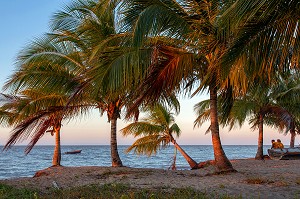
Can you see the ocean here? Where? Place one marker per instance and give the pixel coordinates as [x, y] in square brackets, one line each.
[14, 163]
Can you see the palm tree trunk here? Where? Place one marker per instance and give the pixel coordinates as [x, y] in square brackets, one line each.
[221, 161]
[293, 135]
[193, 164]
[259, 154]
[57, 151]
[115, 158]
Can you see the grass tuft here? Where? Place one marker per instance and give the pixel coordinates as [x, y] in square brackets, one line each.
[8, 192]
[256, 180]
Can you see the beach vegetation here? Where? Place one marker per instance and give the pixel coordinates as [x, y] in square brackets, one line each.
[110, 191]
[256, 180]
[9, 192]
[222, 186]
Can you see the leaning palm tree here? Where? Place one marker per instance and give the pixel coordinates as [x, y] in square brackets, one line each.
[154, 132]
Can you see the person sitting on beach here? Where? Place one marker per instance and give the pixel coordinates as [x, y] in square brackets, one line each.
[279, 144]
[274, 144]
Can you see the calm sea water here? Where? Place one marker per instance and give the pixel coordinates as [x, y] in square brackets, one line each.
[13, 163]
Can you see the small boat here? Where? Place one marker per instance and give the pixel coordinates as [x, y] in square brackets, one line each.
[73, 152]
[285, 153]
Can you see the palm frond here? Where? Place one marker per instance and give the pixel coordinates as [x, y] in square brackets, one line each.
[148, 145]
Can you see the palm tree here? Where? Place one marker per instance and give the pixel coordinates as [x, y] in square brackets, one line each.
[266, 40]
[42, 84]
[69, 51]
[258, 105]
[156, 131]
[287, 90]
[157, 19]
[90, 26]
[34, 114]
[113, 110]
[195, 53]
[261, 106]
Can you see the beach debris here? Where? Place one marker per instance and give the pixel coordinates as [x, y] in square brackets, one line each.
[55, 185]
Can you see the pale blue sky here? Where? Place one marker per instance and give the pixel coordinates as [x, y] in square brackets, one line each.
[22, 20]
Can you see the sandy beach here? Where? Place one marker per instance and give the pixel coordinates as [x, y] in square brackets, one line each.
[254, 179]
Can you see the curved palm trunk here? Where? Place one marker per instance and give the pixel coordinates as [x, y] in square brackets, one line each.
[259, 154]
[115, 158]
[57, 151]
[221, 161]
[293, 135]
[193, 164]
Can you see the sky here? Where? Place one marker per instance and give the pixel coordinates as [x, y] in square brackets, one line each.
[23, 20]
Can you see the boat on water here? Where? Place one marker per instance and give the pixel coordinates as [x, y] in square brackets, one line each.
[73, 152]
[285, 153]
